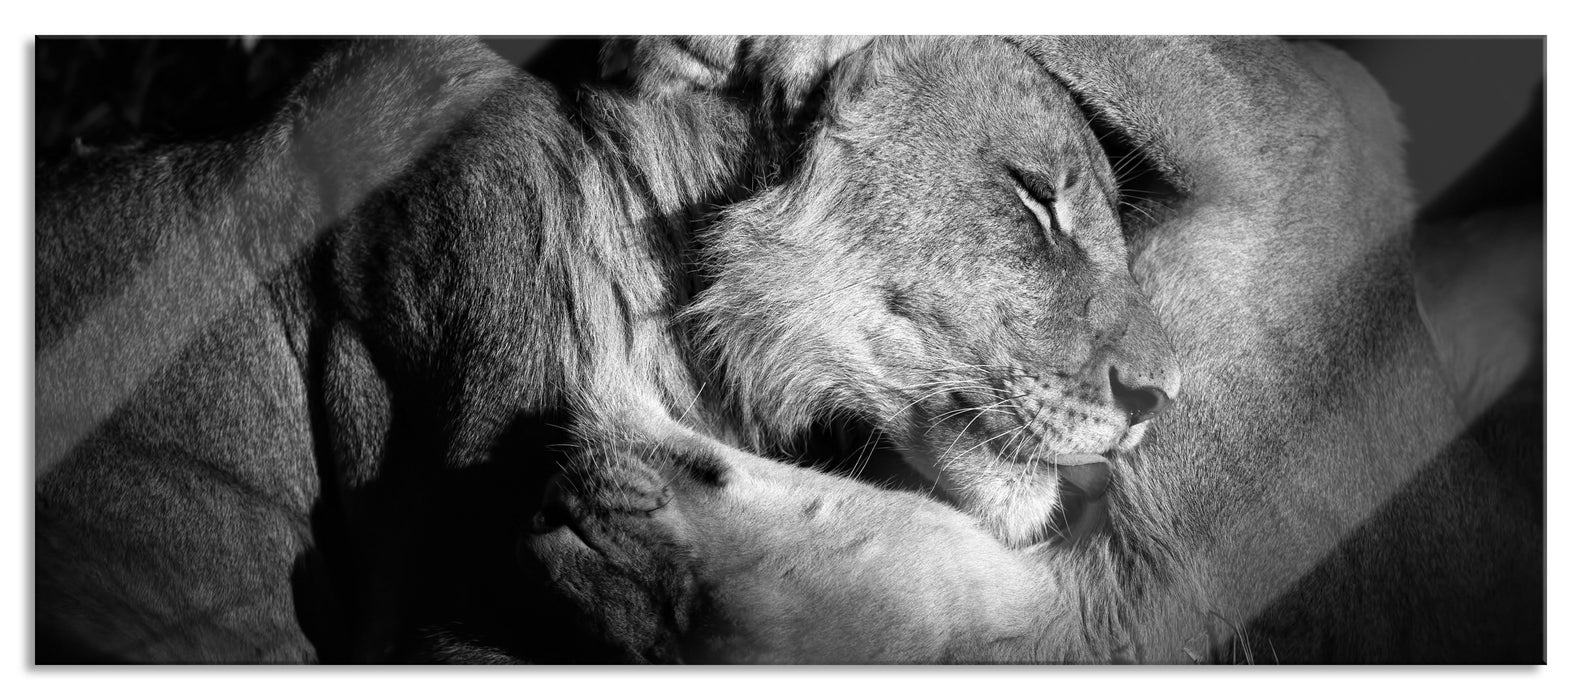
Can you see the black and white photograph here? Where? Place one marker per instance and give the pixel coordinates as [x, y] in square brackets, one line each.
[788, 349]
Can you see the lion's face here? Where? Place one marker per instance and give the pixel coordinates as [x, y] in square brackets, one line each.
[950, 266]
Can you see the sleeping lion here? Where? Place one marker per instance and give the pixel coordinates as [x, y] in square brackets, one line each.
[1309, 499]
[498, 264]
[947, 262]
[436, 349]
[983, 314]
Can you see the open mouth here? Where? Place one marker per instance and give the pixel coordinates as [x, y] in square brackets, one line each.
[1084, 498]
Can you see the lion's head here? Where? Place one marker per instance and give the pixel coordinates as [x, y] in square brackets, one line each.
[946, 263]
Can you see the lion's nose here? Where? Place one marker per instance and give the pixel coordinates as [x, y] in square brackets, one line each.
[1139, 402]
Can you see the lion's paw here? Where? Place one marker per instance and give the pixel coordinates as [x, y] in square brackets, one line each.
[609, 538]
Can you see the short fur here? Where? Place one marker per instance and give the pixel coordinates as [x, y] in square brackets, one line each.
[899, 278]
[1317, 438]
[1310, 500]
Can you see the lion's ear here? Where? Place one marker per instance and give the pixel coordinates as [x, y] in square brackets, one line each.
[847, 81]
[780, 72]
[782, 77]
[671, 64]
[788, 73]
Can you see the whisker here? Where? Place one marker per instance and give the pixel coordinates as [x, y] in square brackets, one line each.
[919, 400]
[998, 407]
[1021, 438]
[953, 442]
[870, 447]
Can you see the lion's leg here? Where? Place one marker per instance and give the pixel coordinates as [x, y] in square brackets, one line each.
[689, 548]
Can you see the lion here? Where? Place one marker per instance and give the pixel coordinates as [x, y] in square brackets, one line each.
[296, 384]
[1030, 313]
[418, 377]
[975, 257]
[379, 501]
[1311, 498]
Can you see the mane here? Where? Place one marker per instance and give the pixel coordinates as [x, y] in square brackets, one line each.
[653, 172]
[583, 274]
[776, 380]
[773, 380]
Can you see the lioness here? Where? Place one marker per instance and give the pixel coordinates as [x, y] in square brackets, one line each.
[947, 263]
[1310, 499]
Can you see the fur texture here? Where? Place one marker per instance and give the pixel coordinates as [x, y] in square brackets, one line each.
[179, 472]
[947, 265]
[366, 322]
[902, 267]
[1316, 438]
[512, 270]
[1311, 499]
[347, 463]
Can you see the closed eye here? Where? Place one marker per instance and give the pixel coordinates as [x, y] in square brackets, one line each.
[1044, 208]
[1040, 210]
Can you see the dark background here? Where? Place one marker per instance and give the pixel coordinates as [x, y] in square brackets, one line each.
[1457, 96]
